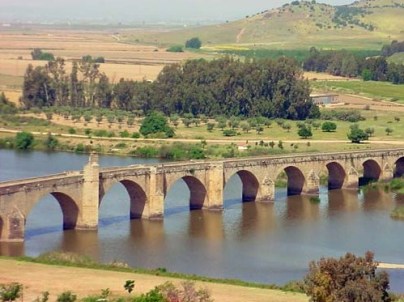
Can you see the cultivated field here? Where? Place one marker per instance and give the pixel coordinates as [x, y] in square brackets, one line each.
[129, 61]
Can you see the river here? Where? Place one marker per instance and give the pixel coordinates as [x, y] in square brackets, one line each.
[267, 243]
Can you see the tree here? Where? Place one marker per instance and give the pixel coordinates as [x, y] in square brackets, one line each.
[329, 126]
[370, 131]
[388, 131]
[193, 43]
[357, 135]
[210, 126]
[305, 132]
[245, 127]
[155, 123]
[349, 278]
[24, 140]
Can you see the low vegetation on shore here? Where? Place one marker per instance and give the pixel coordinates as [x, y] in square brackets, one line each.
[326, 280]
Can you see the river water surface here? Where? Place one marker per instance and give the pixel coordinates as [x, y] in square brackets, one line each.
[267, 243]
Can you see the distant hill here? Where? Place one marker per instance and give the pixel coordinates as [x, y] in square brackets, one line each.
[300, 24]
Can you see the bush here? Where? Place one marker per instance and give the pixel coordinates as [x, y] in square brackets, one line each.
[146, 152]
[193, 43]
[24, 140]
[175, 48]
[51, 142]
[38, 54]
[229, 132]
[349, 278]
[135, 135]
[10, 292]
[67, 296]
[329, 126]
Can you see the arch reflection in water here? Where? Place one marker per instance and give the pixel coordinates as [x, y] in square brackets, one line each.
[342, 201]
[301, 208]
[376, 199]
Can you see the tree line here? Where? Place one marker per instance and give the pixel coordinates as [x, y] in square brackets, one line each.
[226, 86]
[347, 64]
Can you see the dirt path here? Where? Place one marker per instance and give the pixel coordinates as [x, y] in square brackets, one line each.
[37, 278]
[240, 35]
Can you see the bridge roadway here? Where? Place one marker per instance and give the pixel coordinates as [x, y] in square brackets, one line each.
[80, 193]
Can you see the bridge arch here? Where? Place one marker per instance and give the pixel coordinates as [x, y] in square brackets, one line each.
[68, 206]
[295, 180]
[197, 190]
[372, 171]
[250, 185]
[336, 175]
[137, 197]
[399, 167]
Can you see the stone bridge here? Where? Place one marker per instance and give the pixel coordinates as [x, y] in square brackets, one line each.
[80, 193]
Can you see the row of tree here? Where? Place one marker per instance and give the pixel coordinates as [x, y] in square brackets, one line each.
[270, 88]
[345, 63]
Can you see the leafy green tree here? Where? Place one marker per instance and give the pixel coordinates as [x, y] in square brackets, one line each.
[349, 278]
[357, 135]
[24, 140]
[155, 123]
[389, 131]
[305, 132]
[193, 43]
[329, 126]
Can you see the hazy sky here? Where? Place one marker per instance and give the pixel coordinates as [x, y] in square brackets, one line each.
[137, 10]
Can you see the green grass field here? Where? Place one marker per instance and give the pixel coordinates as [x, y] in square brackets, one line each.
[375, 90]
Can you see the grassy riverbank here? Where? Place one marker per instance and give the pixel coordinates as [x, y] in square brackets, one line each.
[89, 279]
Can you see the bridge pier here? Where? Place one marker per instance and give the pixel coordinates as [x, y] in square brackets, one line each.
[154, 208]
[312, 186]
[214, 190]
[12, 227]
[88, 212]
[266, 192]
[387, 173]
[351, 181]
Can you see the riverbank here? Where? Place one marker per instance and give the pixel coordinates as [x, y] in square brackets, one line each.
[38, 278]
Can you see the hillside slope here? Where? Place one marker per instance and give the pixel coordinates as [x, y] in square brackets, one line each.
[363, 24]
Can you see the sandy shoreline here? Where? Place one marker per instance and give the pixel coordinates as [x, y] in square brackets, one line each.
[391, 265]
